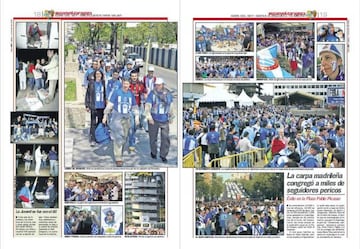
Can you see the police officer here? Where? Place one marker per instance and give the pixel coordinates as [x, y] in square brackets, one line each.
[159, 113]
[122, 106]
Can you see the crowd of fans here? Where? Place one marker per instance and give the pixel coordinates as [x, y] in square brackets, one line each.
[290, 141]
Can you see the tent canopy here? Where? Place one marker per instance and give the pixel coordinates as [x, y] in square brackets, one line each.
[244, 99]
[218, 95]
[255, 98]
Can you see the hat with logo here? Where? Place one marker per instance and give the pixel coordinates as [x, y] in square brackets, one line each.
[332, 49]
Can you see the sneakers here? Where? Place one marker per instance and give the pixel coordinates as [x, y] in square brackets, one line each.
[92, 143]
[153, 156]
[164, 159]
[119, 163]
[132, 148]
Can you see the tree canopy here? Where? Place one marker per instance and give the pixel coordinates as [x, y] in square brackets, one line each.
[92, 34]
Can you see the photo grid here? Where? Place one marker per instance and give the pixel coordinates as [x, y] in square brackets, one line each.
[120, 126]
[101, 159]
[34, 128]
[266, 96]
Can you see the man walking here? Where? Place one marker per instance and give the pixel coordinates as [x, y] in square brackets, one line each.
[122, 106]
[159, 113]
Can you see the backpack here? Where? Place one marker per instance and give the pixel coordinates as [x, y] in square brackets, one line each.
[102, 134]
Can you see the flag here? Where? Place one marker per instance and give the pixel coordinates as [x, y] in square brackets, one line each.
[34, 186]
[268, 64]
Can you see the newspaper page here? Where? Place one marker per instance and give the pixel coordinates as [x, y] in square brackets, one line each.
[93, 124]
[267, 163]
[295, 120]
[115, 103]
[231, 65]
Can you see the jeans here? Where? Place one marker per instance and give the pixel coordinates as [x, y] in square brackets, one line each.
[54, 168]
[132, 131]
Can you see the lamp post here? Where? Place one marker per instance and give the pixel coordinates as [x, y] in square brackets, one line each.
[121, 42]
[151, 25]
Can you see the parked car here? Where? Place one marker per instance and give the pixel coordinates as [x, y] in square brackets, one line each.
[136, 58]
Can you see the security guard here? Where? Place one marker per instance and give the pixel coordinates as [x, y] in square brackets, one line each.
[159, 113]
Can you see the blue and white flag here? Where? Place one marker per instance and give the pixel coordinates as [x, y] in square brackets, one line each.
[269, 65]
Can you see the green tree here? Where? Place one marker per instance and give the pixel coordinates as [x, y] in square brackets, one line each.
[217, 187]
[202, 187]
[264, 185]
[92, 33]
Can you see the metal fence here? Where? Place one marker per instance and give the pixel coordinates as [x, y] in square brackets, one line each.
[193, 159]
[163, 57]
[249, 159]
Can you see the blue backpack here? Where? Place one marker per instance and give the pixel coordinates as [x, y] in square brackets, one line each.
[102, 134]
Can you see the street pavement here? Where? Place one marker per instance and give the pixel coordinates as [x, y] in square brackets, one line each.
[80, 155]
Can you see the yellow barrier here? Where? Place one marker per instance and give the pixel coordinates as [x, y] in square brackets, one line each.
[249, 159]
[193, 159]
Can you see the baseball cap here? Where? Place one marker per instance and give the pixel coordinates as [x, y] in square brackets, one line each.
[129, 62]
[315, 147]
[332, 49]
[151, 68]
[159, 81]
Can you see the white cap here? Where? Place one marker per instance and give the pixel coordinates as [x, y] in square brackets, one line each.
[151, 68]
[159, 81]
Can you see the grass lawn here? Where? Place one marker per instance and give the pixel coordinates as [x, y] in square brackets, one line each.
[70, 90]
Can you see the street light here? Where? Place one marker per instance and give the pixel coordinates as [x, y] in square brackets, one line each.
[151, 25]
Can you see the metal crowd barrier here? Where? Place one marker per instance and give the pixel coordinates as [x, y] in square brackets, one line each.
[249, 159]
[193, 159]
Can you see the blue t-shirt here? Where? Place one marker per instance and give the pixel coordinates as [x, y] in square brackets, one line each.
[125, 73]
[123, 101]
[213, 137]
[53, 155]
[160, 105]
[309, 161]
[112, 85]
[99, 95]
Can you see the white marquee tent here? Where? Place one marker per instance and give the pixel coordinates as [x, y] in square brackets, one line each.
[255, 98]
[218, 94]
[244, 99]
